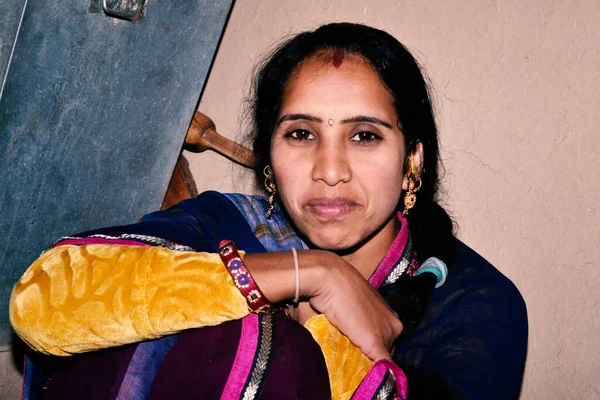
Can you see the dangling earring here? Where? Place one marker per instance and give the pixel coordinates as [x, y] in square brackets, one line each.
[410, 198]
[271, 188]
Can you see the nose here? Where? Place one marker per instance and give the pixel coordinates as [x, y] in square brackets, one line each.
[331, 165]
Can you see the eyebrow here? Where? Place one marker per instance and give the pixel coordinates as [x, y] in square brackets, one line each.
[297, 117]
[312, 118]
[364, 118]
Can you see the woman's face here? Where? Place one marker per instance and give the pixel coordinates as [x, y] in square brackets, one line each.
[337, 154]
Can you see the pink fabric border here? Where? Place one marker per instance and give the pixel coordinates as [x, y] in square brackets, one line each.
[242, 365]
[393, 254]
[83, 241]
[374, 378]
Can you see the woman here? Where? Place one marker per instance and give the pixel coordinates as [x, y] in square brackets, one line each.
[345, 141]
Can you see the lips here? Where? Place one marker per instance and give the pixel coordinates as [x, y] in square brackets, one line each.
[331, 207]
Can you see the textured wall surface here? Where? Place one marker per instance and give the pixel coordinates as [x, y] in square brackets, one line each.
[518, 92]
[10, 377]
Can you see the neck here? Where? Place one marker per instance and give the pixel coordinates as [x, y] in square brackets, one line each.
[366, 255]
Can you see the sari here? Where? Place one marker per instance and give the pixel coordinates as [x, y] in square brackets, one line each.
[470, 344]
[240, 355]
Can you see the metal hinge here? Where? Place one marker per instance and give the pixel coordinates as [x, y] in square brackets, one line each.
[130, 10]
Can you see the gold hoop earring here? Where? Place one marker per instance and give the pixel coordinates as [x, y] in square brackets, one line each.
[271, 188]
[410, 198]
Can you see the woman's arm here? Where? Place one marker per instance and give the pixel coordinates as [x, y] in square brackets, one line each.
[81, 298]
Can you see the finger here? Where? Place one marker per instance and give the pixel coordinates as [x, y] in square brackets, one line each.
[379, 353]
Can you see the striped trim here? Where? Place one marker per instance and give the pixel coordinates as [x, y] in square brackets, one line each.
[402, 264]
[127, 239]
[262, 360]
[85, 241]
[387, 389]
[253, 358]
[384, 381]
[391, 264]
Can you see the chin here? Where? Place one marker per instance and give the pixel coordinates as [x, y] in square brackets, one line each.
[334, 235]
[333, 242]
[332, 247]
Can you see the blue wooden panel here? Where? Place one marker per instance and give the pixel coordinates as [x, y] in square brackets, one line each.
[92, 118]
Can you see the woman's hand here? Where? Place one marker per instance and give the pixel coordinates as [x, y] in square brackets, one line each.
[354, 306]
[334, 288]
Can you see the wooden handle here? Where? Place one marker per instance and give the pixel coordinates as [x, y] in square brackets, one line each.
[202, 136]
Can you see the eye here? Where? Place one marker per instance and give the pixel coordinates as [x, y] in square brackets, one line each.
[300, 135]
[365, 137]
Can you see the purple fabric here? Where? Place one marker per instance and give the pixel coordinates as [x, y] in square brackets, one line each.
[199, 364]
[143, 367]
[298, 369]
[244, 358]
[92, 376]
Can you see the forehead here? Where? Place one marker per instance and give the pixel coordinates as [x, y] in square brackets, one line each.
[350, 87]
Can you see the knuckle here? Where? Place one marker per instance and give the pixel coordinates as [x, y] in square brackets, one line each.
[398, 328]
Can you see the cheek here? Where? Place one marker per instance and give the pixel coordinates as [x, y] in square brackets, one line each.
[288, 179]
[382, 170]
[389, 190]
[382, 183]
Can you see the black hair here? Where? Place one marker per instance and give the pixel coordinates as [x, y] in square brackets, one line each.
[430, 225]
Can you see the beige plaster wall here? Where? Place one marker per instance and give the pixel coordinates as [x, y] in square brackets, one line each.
[518, 95]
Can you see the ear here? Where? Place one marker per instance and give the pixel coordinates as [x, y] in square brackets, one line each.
[418, 156]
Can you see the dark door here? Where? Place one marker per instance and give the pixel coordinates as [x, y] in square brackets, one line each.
[93, 113]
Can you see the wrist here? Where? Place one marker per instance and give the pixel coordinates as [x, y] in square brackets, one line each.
[243, 280]
[316, 267]
[275, 274]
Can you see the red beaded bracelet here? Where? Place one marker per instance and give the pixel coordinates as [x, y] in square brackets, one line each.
[257, 301]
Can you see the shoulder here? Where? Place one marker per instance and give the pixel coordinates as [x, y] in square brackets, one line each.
[473, 275]
[211, 205]
[251, 205]
[474, 332]
[275, 233]
[476, 293]
[248, 205]
[222, 210]
[202, 222]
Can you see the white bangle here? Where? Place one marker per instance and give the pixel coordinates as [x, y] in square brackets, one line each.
[297, 270]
